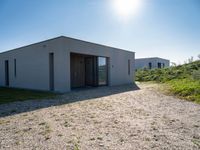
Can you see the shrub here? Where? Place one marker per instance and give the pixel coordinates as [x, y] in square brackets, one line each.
[196, 74]
[184, 80]
[185, 88]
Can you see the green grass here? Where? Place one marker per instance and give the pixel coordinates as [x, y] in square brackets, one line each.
[8, 95]
[182, 81]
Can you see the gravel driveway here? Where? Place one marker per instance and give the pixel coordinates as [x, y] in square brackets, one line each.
[105, 118]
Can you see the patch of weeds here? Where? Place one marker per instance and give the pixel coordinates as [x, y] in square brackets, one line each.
[173, 120]
[76, 147]
[153, 123]
[196, 142]
[53, 115]
[92, 139]
[132, 135]
[147, 139]
[154, 128]
[99, 138]
[18, 131]
[116, 122]
[47, 130]
[17, 143]
[25, 115]
[57, 119]
[47, 138]
[121, 140]
[4, 122]
[196, 126]
[196, 136]
[66, 124]
[42, 123]
[30, 119]
[70, 141]
[155, 137]
[60, 135]
[27, 129]
[97, 122]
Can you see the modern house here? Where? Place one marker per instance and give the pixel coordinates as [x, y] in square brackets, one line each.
[151, 63]
[63, 63]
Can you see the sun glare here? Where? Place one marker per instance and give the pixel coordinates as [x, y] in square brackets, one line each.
[126, 8]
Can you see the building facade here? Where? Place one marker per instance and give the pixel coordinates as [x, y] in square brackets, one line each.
[63, 63]
[151, 63]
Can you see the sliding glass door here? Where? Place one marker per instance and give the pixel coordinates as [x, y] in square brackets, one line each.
[102, 71]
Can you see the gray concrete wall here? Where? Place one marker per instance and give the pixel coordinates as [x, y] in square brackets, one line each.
[144, 62]
[33, 63]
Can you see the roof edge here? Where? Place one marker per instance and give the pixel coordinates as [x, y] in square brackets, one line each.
[152, 58]
[32, 44]
[63, 37]
[98, 44]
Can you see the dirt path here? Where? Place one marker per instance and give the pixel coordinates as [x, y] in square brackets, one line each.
[118, 118]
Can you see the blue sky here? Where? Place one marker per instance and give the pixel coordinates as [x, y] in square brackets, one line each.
[163, 28]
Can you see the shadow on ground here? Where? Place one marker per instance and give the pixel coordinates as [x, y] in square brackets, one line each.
[74, 96]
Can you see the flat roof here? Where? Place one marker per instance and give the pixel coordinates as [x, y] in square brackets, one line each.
[67, 38]
[151, 58]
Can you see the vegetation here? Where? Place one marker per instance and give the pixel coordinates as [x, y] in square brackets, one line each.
[10, 95]
[182, 80]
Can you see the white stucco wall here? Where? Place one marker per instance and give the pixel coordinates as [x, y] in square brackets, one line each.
[33, 63]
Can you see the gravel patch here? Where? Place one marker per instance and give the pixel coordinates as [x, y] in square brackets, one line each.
[105, 118]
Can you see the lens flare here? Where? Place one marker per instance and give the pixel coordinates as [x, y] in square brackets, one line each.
[126, 8]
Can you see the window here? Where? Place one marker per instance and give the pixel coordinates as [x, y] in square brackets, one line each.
[102, 71]
[159, 65]
[150, 65]
[129, 67]
[15, 68]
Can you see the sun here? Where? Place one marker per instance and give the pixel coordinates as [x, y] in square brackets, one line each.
[126, 8]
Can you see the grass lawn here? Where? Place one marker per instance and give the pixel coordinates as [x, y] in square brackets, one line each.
[8, 95]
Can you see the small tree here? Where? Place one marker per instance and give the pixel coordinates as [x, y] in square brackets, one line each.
[191, 59]
[196, 75]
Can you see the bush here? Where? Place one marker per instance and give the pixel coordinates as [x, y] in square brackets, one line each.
[186, 88]
[196, 75]
[184, 80]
